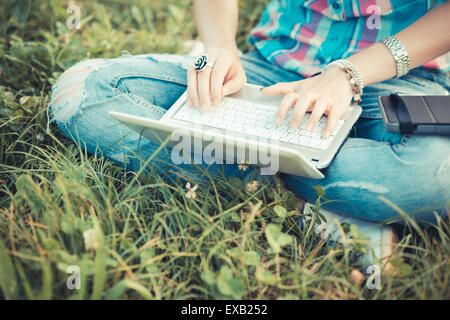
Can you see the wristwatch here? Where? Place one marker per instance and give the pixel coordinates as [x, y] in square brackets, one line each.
[399, 53]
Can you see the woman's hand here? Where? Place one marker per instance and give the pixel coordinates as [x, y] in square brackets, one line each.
[211, 84]
[329, 93]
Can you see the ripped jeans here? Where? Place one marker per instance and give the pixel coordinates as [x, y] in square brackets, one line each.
[411, 171]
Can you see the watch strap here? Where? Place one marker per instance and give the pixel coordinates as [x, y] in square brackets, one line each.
[399, 54]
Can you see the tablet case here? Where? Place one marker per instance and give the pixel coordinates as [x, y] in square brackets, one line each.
[416, 114]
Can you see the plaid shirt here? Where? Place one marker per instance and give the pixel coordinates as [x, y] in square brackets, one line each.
[305, 35]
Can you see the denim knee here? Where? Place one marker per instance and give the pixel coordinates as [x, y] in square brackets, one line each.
[69, 92]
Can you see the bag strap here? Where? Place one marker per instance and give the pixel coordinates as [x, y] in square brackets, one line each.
[404, 118]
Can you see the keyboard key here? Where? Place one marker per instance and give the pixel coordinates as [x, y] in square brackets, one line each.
[305, 133]
[316, 135]
[303, 141]
[284, 138]
[314, 142]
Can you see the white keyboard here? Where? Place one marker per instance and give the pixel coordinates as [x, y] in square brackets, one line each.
[250, 118]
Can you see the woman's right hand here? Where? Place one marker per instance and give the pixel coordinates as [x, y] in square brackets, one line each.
[211, 84]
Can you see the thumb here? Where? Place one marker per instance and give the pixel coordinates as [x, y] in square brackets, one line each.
[233, 86]
[281, 88]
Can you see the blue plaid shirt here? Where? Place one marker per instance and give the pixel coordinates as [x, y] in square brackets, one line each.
[305, 35]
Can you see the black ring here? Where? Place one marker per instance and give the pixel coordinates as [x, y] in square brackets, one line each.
[201, 62]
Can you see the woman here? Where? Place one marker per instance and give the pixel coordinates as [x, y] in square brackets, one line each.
[293, 41]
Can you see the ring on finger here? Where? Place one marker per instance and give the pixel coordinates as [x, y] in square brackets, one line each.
[201, 62]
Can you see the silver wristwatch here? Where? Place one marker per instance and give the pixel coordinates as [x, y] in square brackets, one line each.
[399, 53]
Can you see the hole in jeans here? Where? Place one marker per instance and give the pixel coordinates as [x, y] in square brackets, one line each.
[68, 92]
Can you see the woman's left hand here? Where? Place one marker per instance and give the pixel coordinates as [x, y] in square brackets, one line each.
[329, 93]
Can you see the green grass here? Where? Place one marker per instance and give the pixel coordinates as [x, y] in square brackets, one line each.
[148, 240]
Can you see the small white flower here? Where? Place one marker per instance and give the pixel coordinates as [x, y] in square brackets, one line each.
[190, 194]
[90, 239]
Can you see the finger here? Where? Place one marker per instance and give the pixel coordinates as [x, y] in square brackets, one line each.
[319, 108]
[279, 89]
[303, 104]
[204, 88]
[234, 85]
[218, 74]
[286, 104]
[333, 118]
[192, 93]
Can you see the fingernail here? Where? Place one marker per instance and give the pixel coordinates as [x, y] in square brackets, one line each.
[295, 124]
[309, 126]
[205, 107]
[326, 134]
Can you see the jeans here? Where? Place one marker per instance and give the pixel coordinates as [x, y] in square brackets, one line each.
[410, 171]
